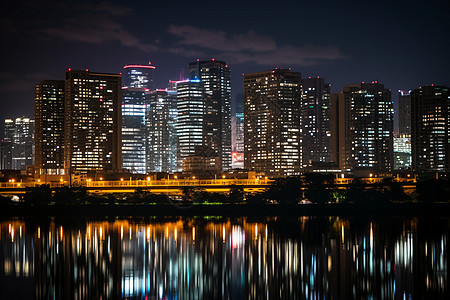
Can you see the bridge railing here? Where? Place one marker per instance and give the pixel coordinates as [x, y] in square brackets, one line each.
[177, 182]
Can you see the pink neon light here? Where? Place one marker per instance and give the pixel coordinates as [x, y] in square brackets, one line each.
[87, 70]
[180, 81]
[213, 59]
[139, 66]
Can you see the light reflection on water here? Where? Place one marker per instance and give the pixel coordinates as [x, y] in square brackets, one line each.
[239, 258]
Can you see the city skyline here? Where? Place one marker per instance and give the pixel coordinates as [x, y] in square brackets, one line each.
[43, 38]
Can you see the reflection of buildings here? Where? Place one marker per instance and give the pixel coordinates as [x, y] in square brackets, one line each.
[317, 258]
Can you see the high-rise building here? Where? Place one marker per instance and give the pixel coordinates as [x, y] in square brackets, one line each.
[161, 118]
[362, 128]
[49, 127]
[272, 102]
[93, 122]
[18, 144]
[189, 125]
[136, 79]
[216, 80]
[239, 131]
[404, 114]
[133, 130]
[138, 76]
[237, 155]
[315, 121]
[402, 153]
[430, 129]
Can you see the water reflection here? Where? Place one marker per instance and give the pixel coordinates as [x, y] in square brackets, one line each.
[204, 258]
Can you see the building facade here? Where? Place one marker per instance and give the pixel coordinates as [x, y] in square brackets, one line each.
[137, 80]
[190, 113]
[139, 76]
[315, 121]
[272, 103]
[216, 78]
[18, 144]
[430, 129]
[133, 130]
[404, 114]
[49, 127]
[161, 118]
[362, 128]
[93, 122]
[237, 155]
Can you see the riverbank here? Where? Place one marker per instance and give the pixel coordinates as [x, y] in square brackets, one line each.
[389, 209]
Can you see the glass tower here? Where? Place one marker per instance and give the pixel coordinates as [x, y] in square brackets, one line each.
[189, 125]
[161, 117]
[136, 79]
[216, 79]
[133, 129]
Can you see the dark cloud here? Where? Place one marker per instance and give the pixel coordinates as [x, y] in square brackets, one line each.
[219, 40]
[96, 24]
[13, 83]
[250, 47]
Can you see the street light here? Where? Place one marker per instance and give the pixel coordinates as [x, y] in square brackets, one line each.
[223, 176]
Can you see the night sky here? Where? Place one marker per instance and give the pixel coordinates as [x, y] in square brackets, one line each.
[403, 44]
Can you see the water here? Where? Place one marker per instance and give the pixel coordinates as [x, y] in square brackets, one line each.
[223, 258]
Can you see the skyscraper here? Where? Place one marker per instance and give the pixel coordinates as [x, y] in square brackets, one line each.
[49, 127]
[404, 114]
[238, 130]
[93, 121]
[133, 129]
[136, 79]
[315, 121]
[18, 144]
[189, 125]
[138, 76]
[161, 117]
[239, 137]
[362, 127]
[430, 129]
[272, 102]
[216, 79]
